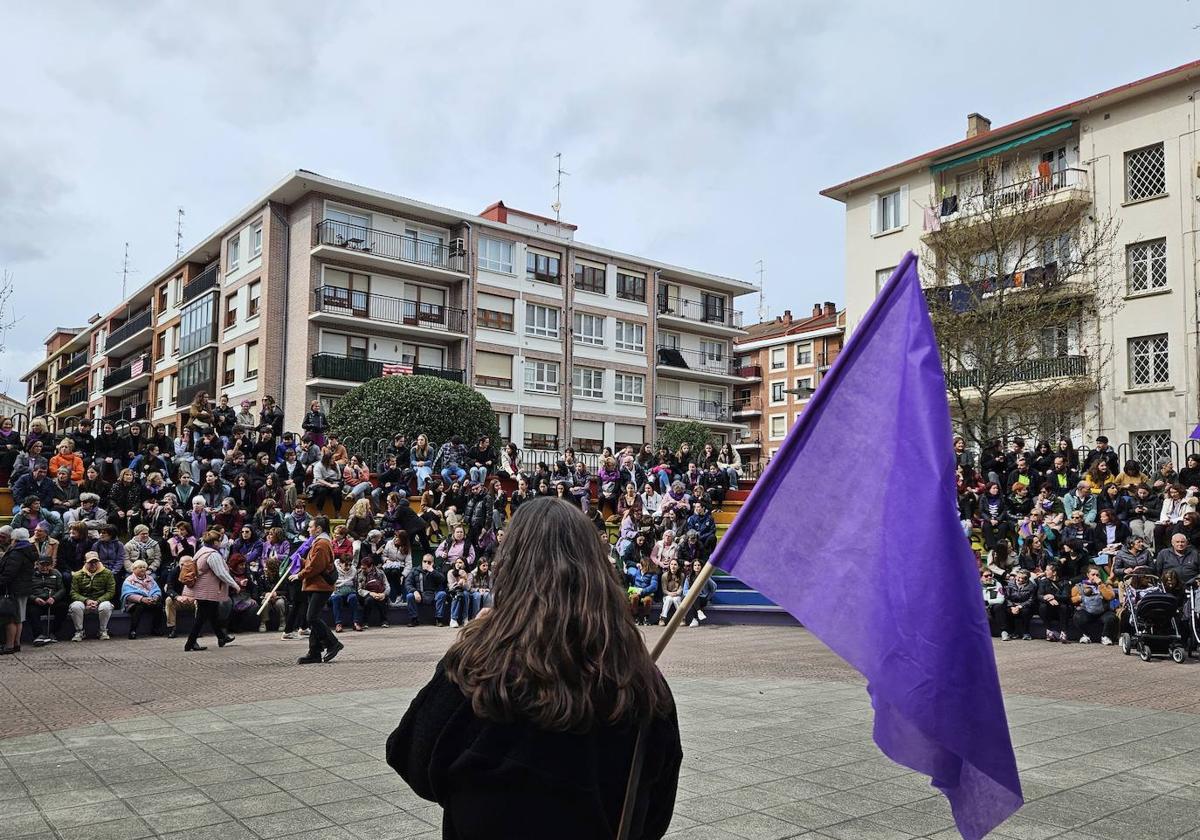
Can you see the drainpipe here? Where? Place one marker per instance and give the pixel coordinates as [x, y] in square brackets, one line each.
[287, 251]
[568, 333]
[469, 306]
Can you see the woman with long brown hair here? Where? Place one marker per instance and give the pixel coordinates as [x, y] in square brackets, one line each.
[546, 691]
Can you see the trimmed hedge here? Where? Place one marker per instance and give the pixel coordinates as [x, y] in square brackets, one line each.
[674, 434]
[380, 408]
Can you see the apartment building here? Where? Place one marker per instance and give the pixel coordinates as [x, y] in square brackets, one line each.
[1128, 154]
[320, 285]
[782, 362]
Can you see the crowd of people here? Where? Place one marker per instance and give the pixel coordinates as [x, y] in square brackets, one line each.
[215, 521]
[1058, 538]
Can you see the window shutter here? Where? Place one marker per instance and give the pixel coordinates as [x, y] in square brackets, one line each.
[629, 434]
[587, 429]
[496, 303]
[493, 364]
[541, 425]
[904, 205]
[874, 215]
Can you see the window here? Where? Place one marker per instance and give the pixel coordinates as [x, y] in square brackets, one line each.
[1147, 265]
[713, 351]
[1053, 342]
[1145, 173]
[543, 267]
[234, 253]
[252, 360]
[175, 340]
[541, 320]
[256, 240]
[495, 312]
[496, 254]
[541, 432]
[628, 435]
[587, 383]
[589, 278]
[173, 388]
[1151, 448]
[777, 394]
[356, 347]
[589, 329]
[229, 368]
[803, 355]
[230, 310]
[631, 286]
[778, 358]
[587, 436]
[253, 296]
[162, 297]
[630, 388]
[541, 377]
[1148, 361]
[631, 336]
[778, 425]
[804, 383]
[160, 345]
[889, 211]
[714, 308]
[881, 277]
[493, 370]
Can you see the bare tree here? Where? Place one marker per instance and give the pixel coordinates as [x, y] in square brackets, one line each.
[1018, 274]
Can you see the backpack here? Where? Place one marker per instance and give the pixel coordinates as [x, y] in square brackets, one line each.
[330, 575]
[188, 572]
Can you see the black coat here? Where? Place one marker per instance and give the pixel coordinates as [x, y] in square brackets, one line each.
[16, 570]
[517, 780]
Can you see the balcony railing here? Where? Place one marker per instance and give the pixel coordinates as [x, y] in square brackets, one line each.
[74, 397]
[134, 325]
[748, 371]
[748, 441]
[392, 246]
[353, 369]
[38, 383]
[135, 411]
[705, 312]
[392, 310]
[964, 297]
[696, 360]
[138, 367]
[825, 360]
[1022, 193]
[74, 363]
[202, 282]
[1025, 370]
[741, 405]
[691, 409]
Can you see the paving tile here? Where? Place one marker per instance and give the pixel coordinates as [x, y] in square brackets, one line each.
[186, 819]
[756, 826]
[288, 823]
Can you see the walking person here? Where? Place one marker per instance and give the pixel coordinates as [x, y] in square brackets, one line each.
[318, 577]
[16, 581]
[209, 586]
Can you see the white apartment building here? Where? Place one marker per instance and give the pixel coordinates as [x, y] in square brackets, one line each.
[1129, 153]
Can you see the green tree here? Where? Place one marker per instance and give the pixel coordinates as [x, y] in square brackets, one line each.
[696, 434]
[380, 408]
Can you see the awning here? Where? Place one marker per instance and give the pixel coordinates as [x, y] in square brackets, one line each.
[1002, 147]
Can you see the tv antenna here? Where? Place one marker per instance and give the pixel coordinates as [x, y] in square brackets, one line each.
[762, 297]
[125, 271]
[557, 205]
[179, 233]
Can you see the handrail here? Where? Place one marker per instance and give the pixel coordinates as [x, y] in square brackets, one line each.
[133, 326]
[694, 360]
[1023, 370]
[353, 369]
[358, 304]
[201, 283]
[694, 310]
[392, 246]
[692, 409]
[124, 373]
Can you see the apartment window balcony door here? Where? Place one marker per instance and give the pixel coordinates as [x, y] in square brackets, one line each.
[355, 300]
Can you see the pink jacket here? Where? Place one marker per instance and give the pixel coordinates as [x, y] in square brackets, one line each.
[208, 586]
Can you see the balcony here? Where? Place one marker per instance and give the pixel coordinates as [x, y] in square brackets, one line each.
[72, 399]
[1025, 370]
[711, 314]
[127, 378]
[683, 408]
[353, 369]
[201, 283]
[747, 405]
[409, 316]
[37, 384]
[135, 332]
[127, 413]
[748, 443]
[825, 360]
[696, 364]
[748, 371]
[1060, 195]
[372, 248]
[73, 364]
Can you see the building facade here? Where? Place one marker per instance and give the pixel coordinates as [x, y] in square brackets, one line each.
[783, 361]
[1125, 155]
[321, 285]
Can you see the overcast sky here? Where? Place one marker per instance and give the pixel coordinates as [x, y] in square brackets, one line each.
[695, 132]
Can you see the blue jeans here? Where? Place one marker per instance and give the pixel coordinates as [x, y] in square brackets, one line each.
[460, 605]
[734, 478]
[452, 474]
[479, 600]
[479, 474]
[439, 604]
[664, 481]
[423, 474]
[343, 602]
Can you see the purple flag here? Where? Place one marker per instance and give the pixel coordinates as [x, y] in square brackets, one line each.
[1195, 435]
[853, 528]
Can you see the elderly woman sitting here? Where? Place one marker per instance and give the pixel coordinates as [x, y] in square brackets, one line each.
[140, 596]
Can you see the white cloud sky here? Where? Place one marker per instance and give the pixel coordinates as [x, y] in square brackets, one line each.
[694, 132]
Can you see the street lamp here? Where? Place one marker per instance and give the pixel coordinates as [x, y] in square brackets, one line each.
[802, 393]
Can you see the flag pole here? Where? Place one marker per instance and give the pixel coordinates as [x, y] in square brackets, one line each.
[639, 747]
[267, 600]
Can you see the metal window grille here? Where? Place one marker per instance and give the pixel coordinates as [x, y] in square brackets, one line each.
[1149, 362]
[1150, 447]
[1147, 265]
[1145, 172]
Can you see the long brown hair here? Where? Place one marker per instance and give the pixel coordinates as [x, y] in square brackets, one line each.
[559, 647]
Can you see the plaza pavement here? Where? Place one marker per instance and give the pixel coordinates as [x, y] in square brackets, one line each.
[106, 740]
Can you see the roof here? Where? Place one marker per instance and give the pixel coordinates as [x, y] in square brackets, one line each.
[1079, 106]
[498, 211]
[779, 328]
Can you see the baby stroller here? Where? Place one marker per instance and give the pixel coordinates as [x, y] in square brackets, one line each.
[1152, 615]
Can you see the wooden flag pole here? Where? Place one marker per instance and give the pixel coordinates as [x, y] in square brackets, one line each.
[267, 600]
[639, 747]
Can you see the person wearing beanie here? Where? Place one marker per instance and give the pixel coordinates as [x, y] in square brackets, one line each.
[16, 580]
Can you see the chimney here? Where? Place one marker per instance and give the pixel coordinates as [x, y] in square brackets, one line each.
[830, 309]
[977, 124]
[816, 310]
[787, 316]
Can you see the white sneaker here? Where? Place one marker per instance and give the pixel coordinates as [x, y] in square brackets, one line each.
[453, 623]
[700, 615]
[1104, 640]
[262, 628]
[78, 637]
[1085, 640]
[289, 637]
[304, 632]
[694, 623]
[1004, 637]
[104, 637]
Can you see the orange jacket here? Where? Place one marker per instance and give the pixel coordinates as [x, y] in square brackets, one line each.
[71, 461]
